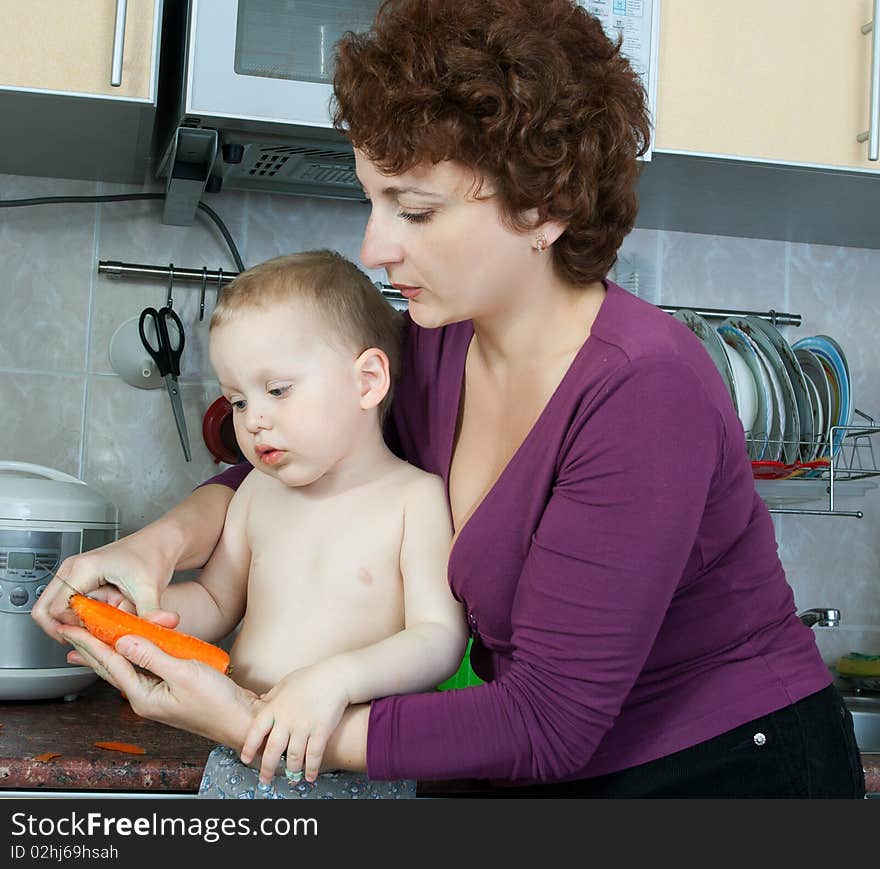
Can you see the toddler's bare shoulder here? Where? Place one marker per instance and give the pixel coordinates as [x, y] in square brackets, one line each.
[419, 485]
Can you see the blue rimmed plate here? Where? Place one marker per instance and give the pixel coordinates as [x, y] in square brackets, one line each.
[830, 354]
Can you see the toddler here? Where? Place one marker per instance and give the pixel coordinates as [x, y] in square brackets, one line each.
[332, 561]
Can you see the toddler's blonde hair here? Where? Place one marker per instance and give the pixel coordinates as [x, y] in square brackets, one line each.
[355, 311]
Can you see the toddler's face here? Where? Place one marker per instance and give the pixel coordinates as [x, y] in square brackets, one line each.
[294, 394]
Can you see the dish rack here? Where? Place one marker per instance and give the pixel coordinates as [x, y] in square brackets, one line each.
[849, 472]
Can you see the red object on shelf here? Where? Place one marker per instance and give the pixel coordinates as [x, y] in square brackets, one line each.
[766, 470]
[218, 432]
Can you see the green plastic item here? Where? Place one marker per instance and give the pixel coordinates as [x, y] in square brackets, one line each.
[464, 677]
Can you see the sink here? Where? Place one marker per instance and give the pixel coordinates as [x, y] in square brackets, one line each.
[866, 718]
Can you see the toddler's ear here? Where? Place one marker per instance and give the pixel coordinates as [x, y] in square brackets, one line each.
[374, 377]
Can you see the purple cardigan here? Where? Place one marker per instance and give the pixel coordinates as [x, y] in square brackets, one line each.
[621, 578]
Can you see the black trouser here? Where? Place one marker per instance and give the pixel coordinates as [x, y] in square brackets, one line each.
[807, 749]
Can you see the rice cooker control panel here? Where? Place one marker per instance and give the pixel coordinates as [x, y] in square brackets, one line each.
[27, 565]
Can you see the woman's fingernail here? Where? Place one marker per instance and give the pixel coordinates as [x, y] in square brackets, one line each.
[293, 776]
[125, 646]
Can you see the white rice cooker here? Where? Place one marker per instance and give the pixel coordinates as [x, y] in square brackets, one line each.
[45, 516]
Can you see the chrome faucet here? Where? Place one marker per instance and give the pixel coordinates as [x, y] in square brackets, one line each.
[824, 618]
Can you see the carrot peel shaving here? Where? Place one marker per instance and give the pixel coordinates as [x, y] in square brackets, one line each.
[47, 756]
[124, 747]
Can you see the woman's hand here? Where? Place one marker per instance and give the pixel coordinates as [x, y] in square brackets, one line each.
[132, 565]
[184, 694]
[140, 565]
[297, 718]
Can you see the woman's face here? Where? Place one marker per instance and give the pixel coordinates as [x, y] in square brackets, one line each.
[446, 251]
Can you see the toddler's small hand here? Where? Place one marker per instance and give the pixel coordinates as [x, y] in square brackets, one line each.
[258, 732]
[300, 714]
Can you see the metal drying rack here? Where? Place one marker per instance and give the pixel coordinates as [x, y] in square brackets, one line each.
[853, 461]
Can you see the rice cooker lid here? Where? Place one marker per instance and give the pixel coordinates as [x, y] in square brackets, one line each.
[36, 493]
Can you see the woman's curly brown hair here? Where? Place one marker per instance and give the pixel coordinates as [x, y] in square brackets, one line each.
[530, 94]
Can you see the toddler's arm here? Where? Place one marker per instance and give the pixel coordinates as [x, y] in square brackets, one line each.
[212, 605]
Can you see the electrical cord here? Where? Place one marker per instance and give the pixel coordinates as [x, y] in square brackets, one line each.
[128, 197]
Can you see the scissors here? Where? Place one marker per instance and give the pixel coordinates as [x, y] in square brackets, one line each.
[167, 357]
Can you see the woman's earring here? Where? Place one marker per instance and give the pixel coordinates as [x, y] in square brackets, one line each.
[540, 243]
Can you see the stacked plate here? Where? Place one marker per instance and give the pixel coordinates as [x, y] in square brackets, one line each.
[833, 375]
[789, 398]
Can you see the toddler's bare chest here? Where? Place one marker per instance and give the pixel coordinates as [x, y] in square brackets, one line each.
[350, 547]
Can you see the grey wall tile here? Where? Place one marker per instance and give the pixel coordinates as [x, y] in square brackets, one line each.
[133, 454]
[637, 267]
[42, 419]
[838, 293]
[835, 561]
[46, 253]
[284, 224]
[722, 272]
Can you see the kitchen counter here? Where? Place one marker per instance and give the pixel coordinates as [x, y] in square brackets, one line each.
[172, 762]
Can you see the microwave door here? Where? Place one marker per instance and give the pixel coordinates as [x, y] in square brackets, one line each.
[268, 60]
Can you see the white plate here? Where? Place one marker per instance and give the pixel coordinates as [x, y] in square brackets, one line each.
[806, 436]
[746, 396]
[791, 425]
[758, 437]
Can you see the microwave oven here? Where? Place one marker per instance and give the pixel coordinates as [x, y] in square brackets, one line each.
[246, 86]
[245, 90]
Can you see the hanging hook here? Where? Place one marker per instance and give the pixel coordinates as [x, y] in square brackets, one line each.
[202, 296]
[170, 303]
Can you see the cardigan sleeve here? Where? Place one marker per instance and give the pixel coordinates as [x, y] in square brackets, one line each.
[232, 477]
[606, 558]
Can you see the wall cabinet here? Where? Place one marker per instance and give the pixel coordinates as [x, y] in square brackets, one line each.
[69, 46]
[77, 93]
[787, 81]
[759, 109]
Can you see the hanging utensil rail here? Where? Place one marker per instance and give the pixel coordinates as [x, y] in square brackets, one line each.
[139, 270]
[118, 269]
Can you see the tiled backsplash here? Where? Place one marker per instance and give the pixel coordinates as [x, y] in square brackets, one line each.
[66, 408]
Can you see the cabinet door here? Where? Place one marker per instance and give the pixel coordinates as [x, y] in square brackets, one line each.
[783, 81]
[66, 46]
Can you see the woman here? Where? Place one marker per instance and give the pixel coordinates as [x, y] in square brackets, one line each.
[629, 611]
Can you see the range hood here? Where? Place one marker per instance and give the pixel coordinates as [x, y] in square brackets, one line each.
[220, 158]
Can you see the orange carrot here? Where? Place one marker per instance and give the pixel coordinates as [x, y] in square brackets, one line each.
[109, 623]
[47, 756]
[124, 747]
